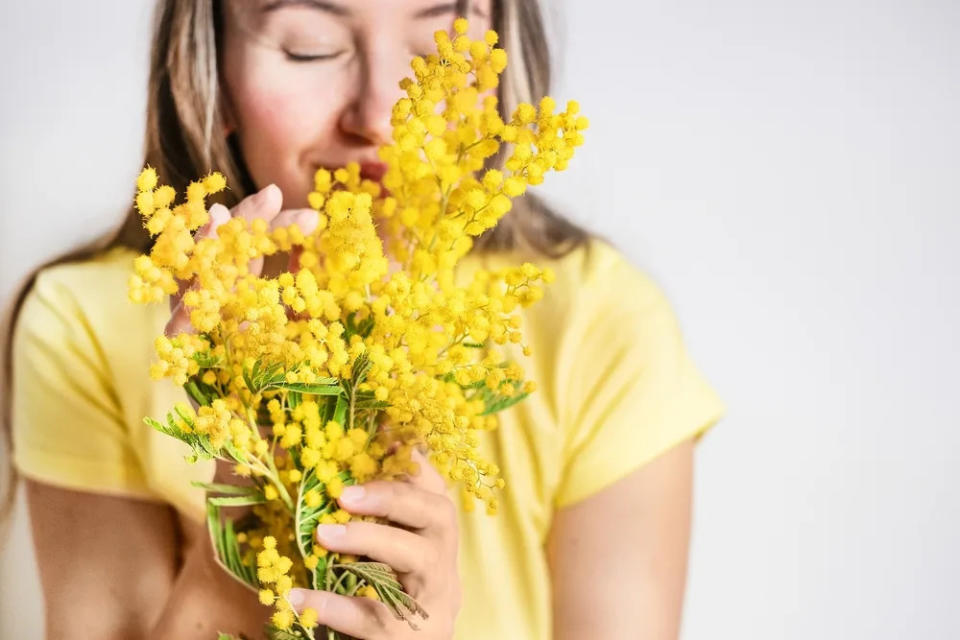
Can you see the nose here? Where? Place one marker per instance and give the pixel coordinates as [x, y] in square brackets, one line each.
[366, 118]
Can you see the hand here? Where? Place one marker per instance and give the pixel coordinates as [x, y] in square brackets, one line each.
[421, 546]
[264, 204]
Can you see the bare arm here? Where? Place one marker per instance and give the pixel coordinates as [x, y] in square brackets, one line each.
[618, 559]
[87, 546]
[114, 567]
[111, 567]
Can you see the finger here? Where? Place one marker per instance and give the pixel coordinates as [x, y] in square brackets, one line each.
[305, 219]
[402, 503]
[264, 204]
[403, 550]
[427, 477]
[358, 617]
[179, 321]
[218, 215]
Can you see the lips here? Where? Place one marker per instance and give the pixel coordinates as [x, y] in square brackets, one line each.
[372, 171]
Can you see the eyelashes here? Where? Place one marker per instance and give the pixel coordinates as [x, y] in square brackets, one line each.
[302, 57]
[320, 57]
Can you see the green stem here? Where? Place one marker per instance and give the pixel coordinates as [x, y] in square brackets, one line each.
[353, 392]
[336, 585]
[282, 490]
[452, 344]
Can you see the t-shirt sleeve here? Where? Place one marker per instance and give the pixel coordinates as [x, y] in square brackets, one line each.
[67, 425]
[632, 390]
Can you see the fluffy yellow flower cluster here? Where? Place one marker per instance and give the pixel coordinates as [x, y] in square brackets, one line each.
[272, 570]
[312, 380]
[172, 226]
[444, 131]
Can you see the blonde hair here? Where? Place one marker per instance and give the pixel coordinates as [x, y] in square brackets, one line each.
[184, 140]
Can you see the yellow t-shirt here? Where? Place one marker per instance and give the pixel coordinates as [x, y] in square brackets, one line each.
[616, 388]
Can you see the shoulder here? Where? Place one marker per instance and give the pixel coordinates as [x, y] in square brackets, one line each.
[83, 304]
[598, 290]
[98, 276]
[80, 355]
[599, 271]
[609, 323]
[597, 294]
[91, 287]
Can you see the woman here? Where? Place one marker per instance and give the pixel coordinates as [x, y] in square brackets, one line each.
[592, 536]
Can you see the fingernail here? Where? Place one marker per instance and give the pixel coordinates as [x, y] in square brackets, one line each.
[307, 220]
[353, 493]
[297, 597]
[218, 215]
[218, 209]
[331, 531]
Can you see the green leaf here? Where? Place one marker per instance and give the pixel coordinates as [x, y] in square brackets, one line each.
[340, 410]
[224, 540]
[203, 443]
[313, 388]
[276, 633]
[473, 385]
[200, 444]
[305, 519]
[229, 489]
[207, 360]
[360, 369]
[294, 398]
[259, 377]
[213, 527]
[361, 328]
[198, 396]
[186, 417]
[371, 405]
[383, 579]
[235, 453]
[237, 501]
[350, 583]
[499, 403]
[158, 426]
[366, 400]
[246, 379]
[327, 406]
[320, 572]
[231, 548]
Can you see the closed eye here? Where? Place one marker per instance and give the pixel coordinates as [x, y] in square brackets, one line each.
[305, 57]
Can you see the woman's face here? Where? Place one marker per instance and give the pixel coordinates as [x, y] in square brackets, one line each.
[311, 83]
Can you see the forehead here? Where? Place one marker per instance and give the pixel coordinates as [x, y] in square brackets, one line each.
[361, 8]
[269, 21]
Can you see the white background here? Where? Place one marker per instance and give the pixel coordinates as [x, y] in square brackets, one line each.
[789, 172]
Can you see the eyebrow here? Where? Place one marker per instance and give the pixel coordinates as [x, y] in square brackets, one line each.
[322, 5]
[340, 10]
[448, 7]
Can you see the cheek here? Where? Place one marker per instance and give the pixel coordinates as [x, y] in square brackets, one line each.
[269, 115]
[282, 116]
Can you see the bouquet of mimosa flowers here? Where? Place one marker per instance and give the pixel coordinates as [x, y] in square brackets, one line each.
[328, 375]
